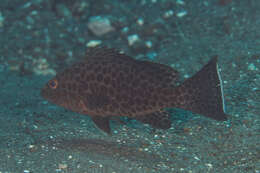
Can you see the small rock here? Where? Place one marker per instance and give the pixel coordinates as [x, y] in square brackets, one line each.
[27, 5]
[180, 2]
[81, 7]
[151, 55]
[125, 30]
[41, 67]
[168, 14]
[140, 21]
[132, 39]
[100, 25]
[63, 11]
[63, 166]
[148, 44]
[252, 67]
[1, 20]
[93, 43]
[182, 13]
[209, 165]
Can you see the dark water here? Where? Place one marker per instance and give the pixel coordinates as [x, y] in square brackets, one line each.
[39, 38]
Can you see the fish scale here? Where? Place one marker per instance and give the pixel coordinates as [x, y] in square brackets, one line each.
[108, 83]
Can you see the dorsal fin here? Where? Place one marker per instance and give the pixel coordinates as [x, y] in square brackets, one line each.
[106, 53]
[164, 75]
[162, 72]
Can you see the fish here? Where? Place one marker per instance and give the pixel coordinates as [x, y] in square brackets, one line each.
[109, 84]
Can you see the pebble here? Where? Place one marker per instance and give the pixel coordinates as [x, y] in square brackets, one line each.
[125, 30]
[196, 158]
[34, 13]
[210, 166]
[151, 55]
[82, 6]
[252, 67]
[41, 67]
[132, 39]
[140, 22]
[182, 13]
[63, 11]
[63, 166]
[100, 25]
[29, 19]
[27, 5]
[148, 44]
[180, 2]
[93, 43]
[2, 68]
[186, 76]
[168, 14]
[1, 20]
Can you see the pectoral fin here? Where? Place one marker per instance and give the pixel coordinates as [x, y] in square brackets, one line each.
[102, 123]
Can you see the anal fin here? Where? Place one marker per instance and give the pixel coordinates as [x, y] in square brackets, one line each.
[158, 119]
[102, 123]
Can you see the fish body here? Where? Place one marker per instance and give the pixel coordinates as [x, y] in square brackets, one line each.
[108, 83]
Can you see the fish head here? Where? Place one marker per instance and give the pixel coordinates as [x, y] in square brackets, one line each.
[57, 91]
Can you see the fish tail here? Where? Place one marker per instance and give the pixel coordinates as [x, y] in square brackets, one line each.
[203, 93]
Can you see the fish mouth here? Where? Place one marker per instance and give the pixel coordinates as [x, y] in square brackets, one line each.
[46, 95]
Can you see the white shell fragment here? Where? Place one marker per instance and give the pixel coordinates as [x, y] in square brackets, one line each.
[100, 25]
[182, 13]
[132, 39]
[93, 43]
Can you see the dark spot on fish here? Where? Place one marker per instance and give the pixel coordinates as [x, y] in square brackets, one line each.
[99, 77]
[87, 77]
[115, 105]
[91, 76]
[145, 101]
[137, 100]
[114, 74]
[114, 83]
[77, 77]
[155, 96]
[104, 71]
[82, 75]
[111, 108]
[111, 91]
[153, 103]
[130, 102]
[69, 85]
[107, 79]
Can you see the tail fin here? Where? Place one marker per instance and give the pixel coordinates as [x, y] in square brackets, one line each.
[202, 93]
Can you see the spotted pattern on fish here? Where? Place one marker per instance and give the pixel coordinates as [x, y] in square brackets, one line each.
[108, 83]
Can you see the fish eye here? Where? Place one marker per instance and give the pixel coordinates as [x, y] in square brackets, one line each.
[53, 84]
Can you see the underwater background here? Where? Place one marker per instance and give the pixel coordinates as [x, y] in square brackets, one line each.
[39, 38]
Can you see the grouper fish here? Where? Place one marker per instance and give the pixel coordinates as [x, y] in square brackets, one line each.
[108, 83]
